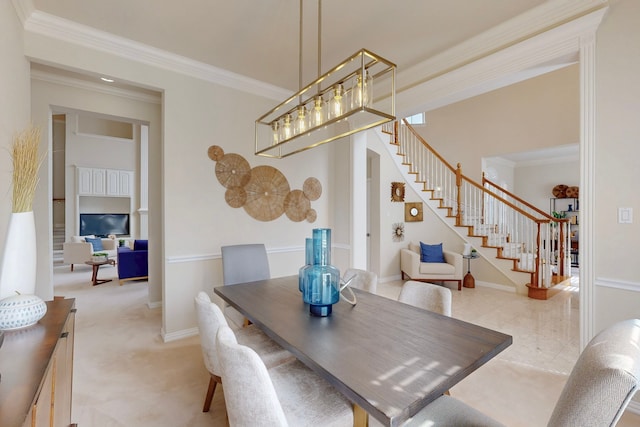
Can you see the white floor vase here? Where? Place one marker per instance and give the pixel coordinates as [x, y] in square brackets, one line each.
[18, 267]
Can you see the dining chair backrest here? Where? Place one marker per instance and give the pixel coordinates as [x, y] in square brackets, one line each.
[210, 319]
[426, 296]
[362, 279]
[603, 380]
[244, 263]
[249, 394]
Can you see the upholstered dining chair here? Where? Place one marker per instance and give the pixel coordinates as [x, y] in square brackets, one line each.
[241, 264]
[362, 279]
[599, 388]
[210, 319]
[287, 395]
[426, 296]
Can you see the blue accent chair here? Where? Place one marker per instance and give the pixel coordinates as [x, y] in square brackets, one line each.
[133, 264]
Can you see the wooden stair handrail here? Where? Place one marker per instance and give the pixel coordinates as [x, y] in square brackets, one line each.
[460, 178]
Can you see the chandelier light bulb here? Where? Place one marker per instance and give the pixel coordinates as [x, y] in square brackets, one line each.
[287, 132]
[361, 91]
[317, 117]
[275, 128]
[337, 104]
[301, 120]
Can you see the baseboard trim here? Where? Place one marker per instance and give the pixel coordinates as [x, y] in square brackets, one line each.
[155, 304]
[178, 335]
[497, 286]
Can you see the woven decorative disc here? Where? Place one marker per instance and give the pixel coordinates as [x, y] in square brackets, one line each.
[232, 170]
[573, 192]
[312, 188]
[559, 191]
[235, 197]
[311, 215]
[296, 206]
[215, 152]
[266, 190]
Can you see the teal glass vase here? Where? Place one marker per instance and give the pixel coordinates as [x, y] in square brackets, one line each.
[308, 261]
[321, 281]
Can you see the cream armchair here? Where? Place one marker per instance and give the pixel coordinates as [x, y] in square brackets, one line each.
[77, 251]
[450, 270]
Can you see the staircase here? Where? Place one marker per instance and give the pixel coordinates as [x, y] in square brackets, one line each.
[58, 240]
[529, 246]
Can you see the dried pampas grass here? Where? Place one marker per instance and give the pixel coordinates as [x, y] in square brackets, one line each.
[26, 163]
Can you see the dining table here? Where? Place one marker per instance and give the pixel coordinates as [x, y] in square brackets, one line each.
[390, 359]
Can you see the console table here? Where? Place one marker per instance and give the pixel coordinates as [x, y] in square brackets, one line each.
[34, 362]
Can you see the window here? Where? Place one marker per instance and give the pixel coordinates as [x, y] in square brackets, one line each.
[416, 119]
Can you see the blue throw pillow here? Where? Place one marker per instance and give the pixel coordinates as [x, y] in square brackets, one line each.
[96, 243]
[431, 253]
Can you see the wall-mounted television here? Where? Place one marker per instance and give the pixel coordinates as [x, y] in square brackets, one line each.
[103, 224]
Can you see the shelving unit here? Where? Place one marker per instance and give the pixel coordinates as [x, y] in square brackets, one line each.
[570, 208]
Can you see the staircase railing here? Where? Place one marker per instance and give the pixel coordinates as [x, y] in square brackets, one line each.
[534, 240]
[559, 227]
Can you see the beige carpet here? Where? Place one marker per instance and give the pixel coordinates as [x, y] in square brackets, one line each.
[126, 376]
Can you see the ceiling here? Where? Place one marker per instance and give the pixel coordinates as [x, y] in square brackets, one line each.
[260, 38]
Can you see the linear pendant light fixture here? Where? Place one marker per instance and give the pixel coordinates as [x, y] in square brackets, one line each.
[355, 95]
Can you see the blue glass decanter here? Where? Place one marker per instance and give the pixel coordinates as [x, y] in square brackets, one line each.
[321, 281]
[308, 257]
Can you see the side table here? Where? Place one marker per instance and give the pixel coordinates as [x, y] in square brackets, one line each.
[469, 281]
[96, 266]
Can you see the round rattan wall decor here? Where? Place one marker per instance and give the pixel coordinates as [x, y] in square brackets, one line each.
[266, 190]
[312, 188]
[263, 191]
[296, 206]
[235, 197]
[232, 170]
[215, 152]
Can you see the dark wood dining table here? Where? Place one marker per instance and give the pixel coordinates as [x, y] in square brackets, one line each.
[388, 358]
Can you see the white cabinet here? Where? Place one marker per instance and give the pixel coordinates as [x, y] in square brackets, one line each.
[104, 182]
[99, 179]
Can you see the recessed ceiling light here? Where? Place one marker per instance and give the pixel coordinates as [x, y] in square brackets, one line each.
[105, 79]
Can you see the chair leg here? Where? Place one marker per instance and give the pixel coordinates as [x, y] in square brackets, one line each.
[213, 382]
[71, 267]
[459, 285]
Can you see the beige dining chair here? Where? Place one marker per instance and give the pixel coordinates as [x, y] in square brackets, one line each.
[362, 279]
[287, 395]
[600, 386]
[210, 319]
[241, 264]
[426, 296]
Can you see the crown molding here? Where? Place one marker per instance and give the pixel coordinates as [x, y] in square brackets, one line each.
[62, 29]
[536, 55]
[24, 9]
[94, 87]
[543, 18]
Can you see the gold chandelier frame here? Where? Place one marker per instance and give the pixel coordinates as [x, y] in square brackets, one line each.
[355, 95]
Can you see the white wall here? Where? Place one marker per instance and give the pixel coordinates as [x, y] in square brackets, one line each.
[14, 112]
[535, 183]
[616, 171]
[538, 113]
[189, 219]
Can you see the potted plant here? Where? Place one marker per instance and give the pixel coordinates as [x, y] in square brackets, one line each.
[99, 257]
